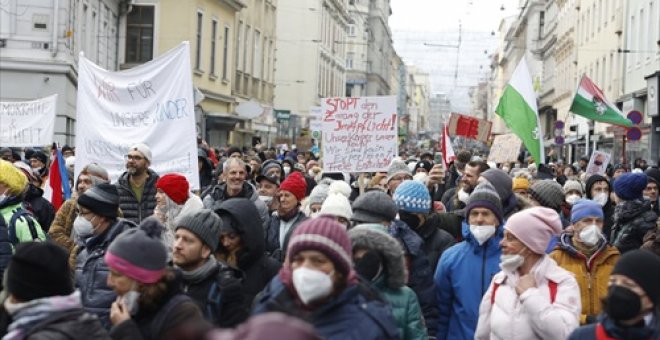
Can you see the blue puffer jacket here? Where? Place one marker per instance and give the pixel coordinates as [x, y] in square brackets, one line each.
[358, 313]
[92, 272]
[462, 277]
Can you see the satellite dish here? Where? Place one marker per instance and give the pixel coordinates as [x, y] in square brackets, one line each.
[251, 109]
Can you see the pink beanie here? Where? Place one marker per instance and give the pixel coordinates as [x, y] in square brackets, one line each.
[535, 227]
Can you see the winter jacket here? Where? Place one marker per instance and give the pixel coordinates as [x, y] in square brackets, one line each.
[535, 314]
[451, 201]
[357, 313]
[652, 240]
[40, 207]
[173, 315]
[132, 209]
[62, 228]
[217, 294]
[205, 173]
[72, 325]
[632, 220]
[273, 235]
[608, 208]
[218, 194]
[592, 274]
[614, 331]
[462, 277]
[92, 272]
[435, 240]
[451, 223]
[258, 268]
[391, 282]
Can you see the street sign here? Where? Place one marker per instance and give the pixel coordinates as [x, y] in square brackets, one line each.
[282, 115]
[635, 117]
[559, 140]
[634, 134]
[316, 134]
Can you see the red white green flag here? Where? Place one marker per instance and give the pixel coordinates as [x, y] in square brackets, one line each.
[590, 102]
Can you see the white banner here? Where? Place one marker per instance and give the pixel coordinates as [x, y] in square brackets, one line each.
[359, 134]
[151, 103]
[26, 124]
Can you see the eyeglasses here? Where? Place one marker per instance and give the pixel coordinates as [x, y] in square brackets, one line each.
[133, 158]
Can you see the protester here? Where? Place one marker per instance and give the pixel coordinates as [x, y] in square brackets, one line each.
[653, 188]
[313, 203]
[631, 306]
[272, 167]
[633, 216]
[337, 205]
[414, 203]
[532, 297]
[284, 222]
[39, 163]
[268, 189]
[97, 216]
[13, 185]
[213, 285]
[379, 259]
[6, 154]
[598, 189]
[456, 198]
[150, 303]
[137, 186]
[548, 193]
[503, 185]
[585, 252]
[317, 283]
[520, 184]
[397, 173]
[205, 171]
[375, 209]
[463, 273]
[41, 301]
[573, 191]
[173, 200]
[41, 208]
[456, 170]
[242, 245]
[235, 186]
[378, 182]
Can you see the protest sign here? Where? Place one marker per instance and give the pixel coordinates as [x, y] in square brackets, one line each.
[505, 148]
[598, 163]
[359, 134]
[469, 127]
[151, 103]
[30, 123]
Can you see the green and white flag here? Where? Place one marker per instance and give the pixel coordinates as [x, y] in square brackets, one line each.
[517, 107]
[590, 102]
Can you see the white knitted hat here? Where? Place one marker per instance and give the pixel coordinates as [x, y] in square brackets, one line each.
[337, 205]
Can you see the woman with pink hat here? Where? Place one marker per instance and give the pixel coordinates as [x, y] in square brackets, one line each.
[532, 297]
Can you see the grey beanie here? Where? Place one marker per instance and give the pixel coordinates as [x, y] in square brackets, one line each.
[573, 185]
[139, 253]
[397, 167]
[501, 181]
[318, 194]
[374, 207]
[205, 224]
[548, 193]
[485, 196]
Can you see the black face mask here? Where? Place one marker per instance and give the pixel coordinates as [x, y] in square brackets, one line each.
[622, 303]
[410, 219]
[370, 265]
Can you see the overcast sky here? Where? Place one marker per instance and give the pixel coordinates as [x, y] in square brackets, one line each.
[416, 24]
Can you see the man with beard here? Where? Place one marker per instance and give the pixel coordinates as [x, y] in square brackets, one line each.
[137, 186]
[235, 186]
[456, 198]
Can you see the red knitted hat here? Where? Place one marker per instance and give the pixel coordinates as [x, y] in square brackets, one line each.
[326, 236]
[175, 186]
[295, 183]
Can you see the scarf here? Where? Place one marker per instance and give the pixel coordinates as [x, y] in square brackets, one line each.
[201, 273]
[286, 217]
[27, 314]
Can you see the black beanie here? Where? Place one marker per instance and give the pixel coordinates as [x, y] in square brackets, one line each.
[643, 267]
[593, 179]
[102, 199]
[38, 270]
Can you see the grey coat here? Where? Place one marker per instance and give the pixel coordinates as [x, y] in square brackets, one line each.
[218, 194]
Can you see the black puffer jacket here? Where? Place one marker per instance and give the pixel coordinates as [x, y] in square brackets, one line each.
[40, 207]
[632, 220]
[72, 325]
[132, 209]
[436, 240]
[252, 260]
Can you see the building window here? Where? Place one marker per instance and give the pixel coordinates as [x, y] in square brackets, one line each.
[198, 38]
[351, 30]
[256, 53]
[246, 43]
[140, 34]
[349, 60]
[214, 38]
[225, 54]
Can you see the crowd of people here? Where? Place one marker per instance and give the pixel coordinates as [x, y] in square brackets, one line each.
[272, 246]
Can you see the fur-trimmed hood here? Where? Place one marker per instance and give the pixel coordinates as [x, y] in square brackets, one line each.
[388, 247]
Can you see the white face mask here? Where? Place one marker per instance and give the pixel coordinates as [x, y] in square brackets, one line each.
[463, 196]
[511, 262]
[83, 227]
[646, 198]
[571, 199]
[482, 232]
[287, 169]
[601, 198]
[266, 199]
[311, 284]
[590, 235]
[130, 299]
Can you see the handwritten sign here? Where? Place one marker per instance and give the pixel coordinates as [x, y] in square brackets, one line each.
[30, 123]
[598, 163]
[505, 148]
[151, 103]
[359, 134]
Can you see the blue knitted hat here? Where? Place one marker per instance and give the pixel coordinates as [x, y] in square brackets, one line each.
[630, 186]
[412, 197]
[585, 208]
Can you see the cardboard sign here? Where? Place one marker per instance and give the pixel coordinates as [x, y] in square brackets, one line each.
[151, 104]
[29, 123]
[598, 163]
[469, 127]
[505, 149]
[359, 134]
